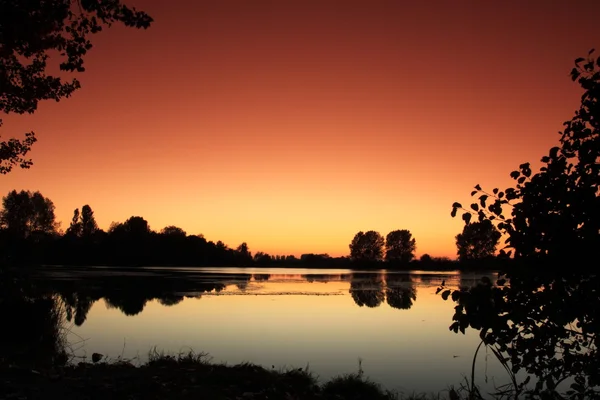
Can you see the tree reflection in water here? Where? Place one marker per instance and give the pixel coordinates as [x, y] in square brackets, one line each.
[371, 289]
[131, 293]
[367, 289]
[400, 291]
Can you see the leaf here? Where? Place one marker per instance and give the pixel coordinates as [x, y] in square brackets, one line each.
[453, 212]
[445, 294]
[521, 180]
[554, 152]
[474, 192]
[456, 205]
[515, 174]
[495, 191]
[574, 74]
[482, 200]
[578, 60]
[475, 207]
[466, 217]
[477, 187]
[454, 327]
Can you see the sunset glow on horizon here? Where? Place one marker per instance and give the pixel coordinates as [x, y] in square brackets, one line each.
[293, 125]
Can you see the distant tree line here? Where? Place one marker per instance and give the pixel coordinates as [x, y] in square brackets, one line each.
[29, 234]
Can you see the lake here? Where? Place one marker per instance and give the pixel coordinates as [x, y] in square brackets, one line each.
[328, 320]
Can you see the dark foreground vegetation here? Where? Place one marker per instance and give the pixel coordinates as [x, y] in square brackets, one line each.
[182, 377]
[544, 320]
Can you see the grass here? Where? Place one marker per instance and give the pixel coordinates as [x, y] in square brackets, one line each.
[189, 375]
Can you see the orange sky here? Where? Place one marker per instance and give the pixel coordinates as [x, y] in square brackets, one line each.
[294, 124]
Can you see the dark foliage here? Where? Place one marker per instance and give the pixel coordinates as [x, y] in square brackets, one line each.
[32, 334]
[543, 316]
[400, 246]
[478, 240]
[31, 31]
[367, 247]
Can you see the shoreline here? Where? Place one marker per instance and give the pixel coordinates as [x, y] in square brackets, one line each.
[188, 376]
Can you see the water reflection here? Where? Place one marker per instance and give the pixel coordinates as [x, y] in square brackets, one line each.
[324, 278]
[367, 290]
[261, 277]
[77, 305]
[328, 319]
[372, 289]
[400, 291]
[131, 291]
[131, 294]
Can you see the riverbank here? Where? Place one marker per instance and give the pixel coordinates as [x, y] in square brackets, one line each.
[186, 377]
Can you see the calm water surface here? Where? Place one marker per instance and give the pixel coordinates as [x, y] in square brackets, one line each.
[326, 319]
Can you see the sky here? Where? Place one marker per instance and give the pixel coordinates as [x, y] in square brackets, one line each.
[292, 125]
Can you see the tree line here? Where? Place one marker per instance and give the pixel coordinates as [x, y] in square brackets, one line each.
[30, 234]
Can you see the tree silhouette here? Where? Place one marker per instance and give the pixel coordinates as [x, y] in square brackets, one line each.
[136, 227]
[83, 224]
[367, 246]
[75, 228]
[173, 231]
[88, 223]
[478, 240]
[400, 246]
[426, 258]
[25, 213]
[32, 30]
[262, 258]
[243, 253]
[546, 322]
[555, 212]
